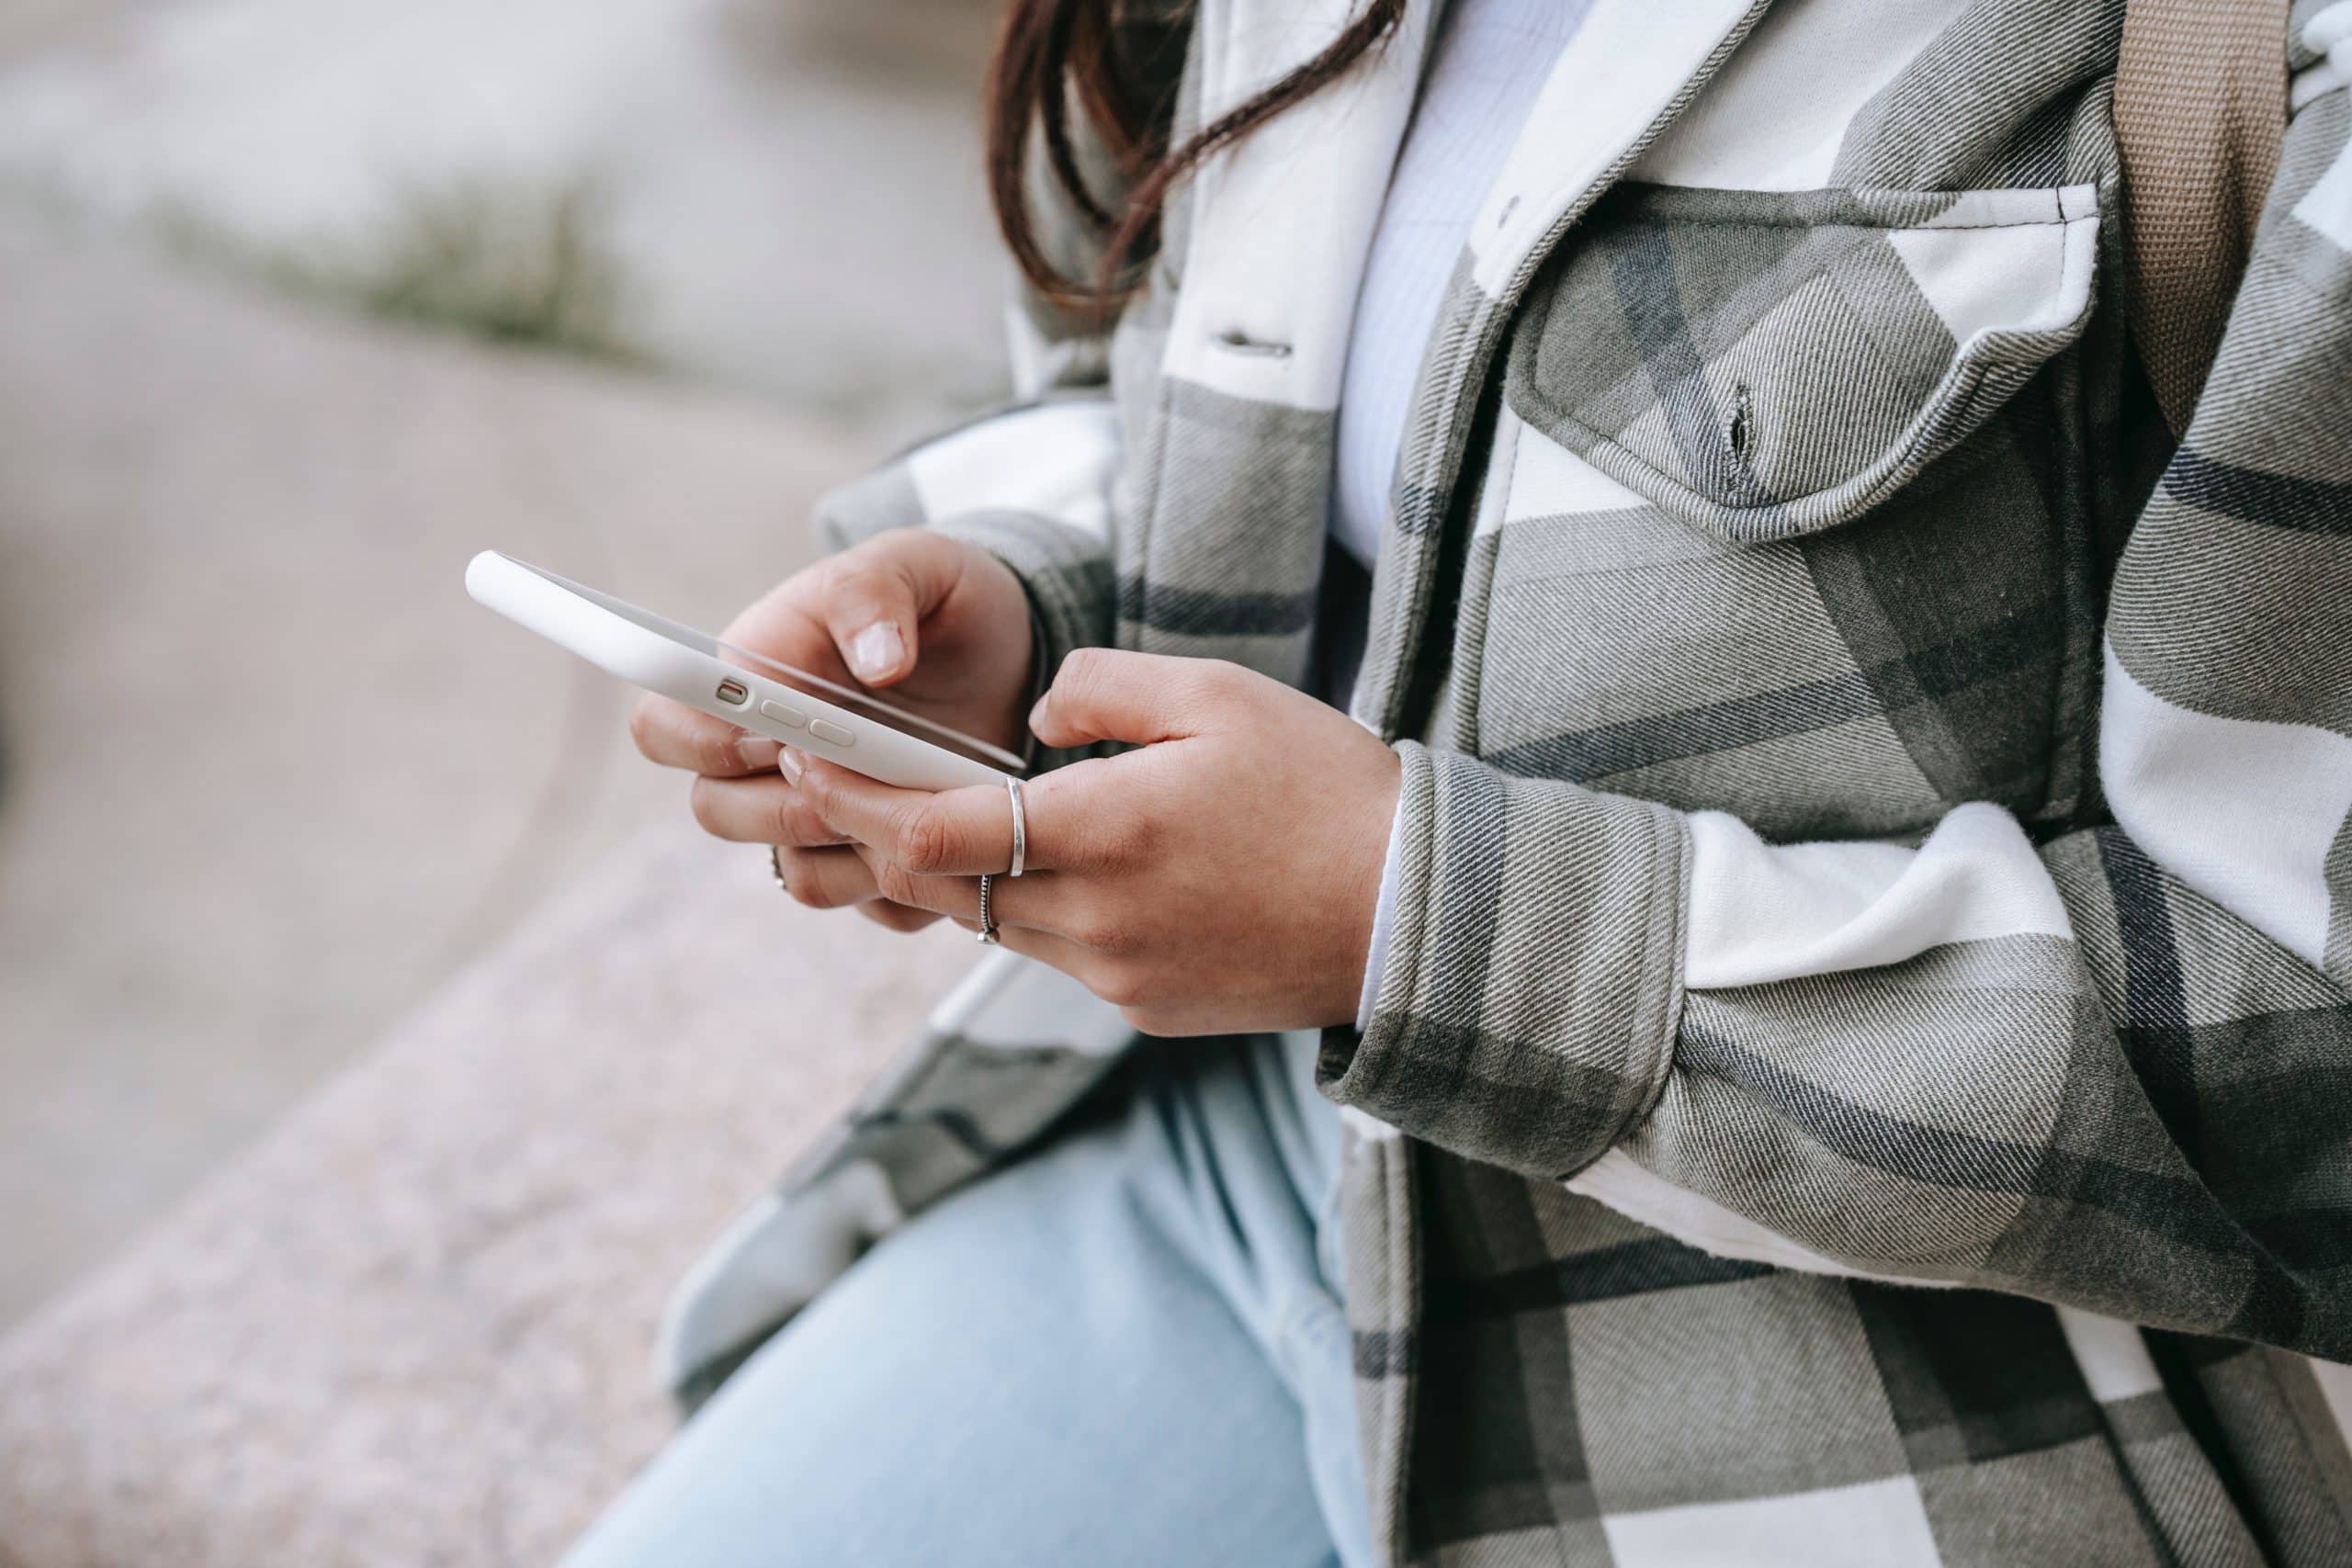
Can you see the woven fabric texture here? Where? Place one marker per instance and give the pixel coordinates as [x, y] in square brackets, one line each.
[1877, 809]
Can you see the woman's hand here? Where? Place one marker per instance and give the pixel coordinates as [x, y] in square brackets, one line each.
[1223, 877]
[943, 625]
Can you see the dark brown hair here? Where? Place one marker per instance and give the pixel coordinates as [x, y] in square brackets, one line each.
[1056, 55]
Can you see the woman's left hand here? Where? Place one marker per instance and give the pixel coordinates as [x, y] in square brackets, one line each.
[1222, 877]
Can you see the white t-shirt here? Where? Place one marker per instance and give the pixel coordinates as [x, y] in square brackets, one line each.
[1486, 65]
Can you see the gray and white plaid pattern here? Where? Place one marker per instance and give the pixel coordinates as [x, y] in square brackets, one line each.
[1876, 814]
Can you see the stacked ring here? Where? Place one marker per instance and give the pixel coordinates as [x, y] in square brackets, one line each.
[987, 932]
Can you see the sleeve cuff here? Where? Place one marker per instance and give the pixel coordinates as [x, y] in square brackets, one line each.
[1384, 913]
[1067, 579]
[1527, 1000]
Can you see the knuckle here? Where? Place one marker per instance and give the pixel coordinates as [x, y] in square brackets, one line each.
[1125, 837]
[1106, 935]
[1105, 931]
[1083, 670]
[786, 823]
[874, 567]
[827, 891]
[905, 544]
[875, 545]
[896, 882]
[703, 801]
[928, 840]
[808, 830]
[801, 881]
[1123, 985]
[848, 581]
[1220, 682]
[1102, 856]
[816, 792]
[1094, 830]
[1222, 673]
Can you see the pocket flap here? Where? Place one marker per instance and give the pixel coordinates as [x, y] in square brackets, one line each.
[1766, 364]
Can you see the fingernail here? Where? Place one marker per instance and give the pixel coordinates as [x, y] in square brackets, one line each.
[756, 752]
[1037, 711]
[873, 653]
[787, 761]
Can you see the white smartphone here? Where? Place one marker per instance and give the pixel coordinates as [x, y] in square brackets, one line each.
[804, 711]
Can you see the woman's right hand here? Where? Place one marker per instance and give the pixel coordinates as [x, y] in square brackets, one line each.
[941, 625]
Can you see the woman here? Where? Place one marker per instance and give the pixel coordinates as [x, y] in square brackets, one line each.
[1838, 800]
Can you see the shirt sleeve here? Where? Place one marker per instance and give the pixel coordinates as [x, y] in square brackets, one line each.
[1384, 917]
[2112, 1070]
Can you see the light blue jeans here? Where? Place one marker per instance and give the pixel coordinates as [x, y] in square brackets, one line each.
[1129, 1348]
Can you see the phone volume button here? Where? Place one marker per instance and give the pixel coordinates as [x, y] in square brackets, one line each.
[782, 715]
[825, 730]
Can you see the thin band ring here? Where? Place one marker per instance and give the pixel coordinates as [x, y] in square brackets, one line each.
[1020, 827]
[775, 864]
[987, 937]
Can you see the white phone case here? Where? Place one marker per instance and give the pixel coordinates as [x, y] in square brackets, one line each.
[663, 656]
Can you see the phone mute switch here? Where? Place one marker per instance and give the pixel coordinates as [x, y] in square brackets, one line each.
[825, 730]
[786, 716]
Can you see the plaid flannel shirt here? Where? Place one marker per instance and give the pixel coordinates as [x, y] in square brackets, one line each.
[1876, 815]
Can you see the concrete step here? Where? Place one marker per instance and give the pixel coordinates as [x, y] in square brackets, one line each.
[414, 1324]
[272, 774]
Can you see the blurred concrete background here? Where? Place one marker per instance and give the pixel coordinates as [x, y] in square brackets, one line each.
[301, 302]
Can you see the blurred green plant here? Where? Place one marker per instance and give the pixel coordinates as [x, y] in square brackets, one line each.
[510, 261]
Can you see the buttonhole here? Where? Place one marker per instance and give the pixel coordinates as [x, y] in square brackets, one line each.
[1233, 341]
[1743, 422]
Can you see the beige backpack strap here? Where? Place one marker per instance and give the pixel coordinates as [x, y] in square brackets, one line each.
[2201, 109]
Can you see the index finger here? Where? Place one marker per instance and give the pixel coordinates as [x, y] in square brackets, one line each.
[952, 832]
[670, 733]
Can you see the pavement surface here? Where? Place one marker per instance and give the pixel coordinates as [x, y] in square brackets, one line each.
[269, 774]
[785, 195]
[411, 1324]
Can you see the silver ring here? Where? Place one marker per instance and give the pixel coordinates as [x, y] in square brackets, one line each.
[987, 937]
[1020, 828]
[775, 864]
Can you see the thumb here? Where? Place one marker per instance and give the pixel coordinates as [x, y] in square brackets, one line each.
[1102, 694]
[875, 595]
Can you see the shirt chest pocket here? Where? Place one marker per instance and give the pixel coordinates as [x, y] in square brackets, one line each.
[1782, 529]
